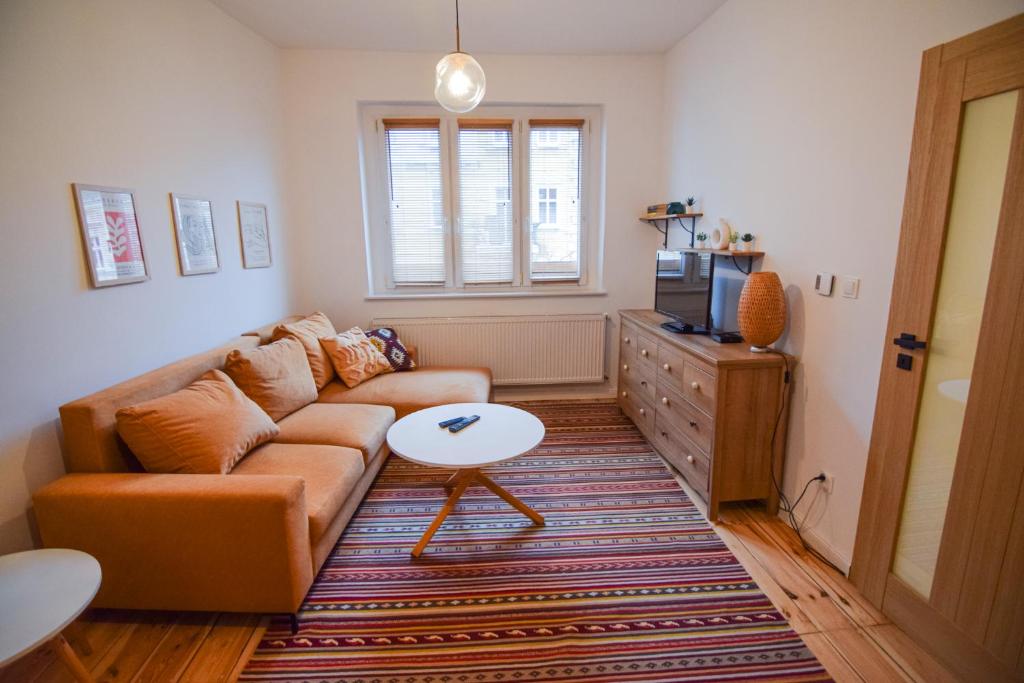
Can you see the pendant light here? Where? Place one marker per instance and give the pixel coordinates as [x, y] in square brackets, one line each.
[460, 82]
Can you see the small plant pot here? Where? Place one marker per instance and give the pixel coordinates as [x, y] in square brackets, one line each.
[748, 246]
[733, 246]
[702, 244]
[690, 209]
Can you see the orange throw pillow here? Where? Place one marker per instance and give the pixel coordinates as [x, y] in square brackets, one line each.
[309, 331]
[276, 376]
[355, 357]
[205, 428]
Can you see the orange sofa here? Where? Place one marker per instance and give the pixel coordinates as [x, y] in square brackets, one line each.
[248, 541]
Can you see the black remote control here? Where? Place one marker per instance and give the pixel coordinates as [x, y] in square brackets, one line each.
[458, 427]
[449, 423]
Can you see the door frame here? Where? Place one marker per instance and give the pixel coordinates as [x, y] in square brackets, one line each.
[987, 62]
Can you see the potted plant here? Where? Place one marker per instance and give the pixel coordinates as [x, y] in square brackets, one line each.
[702, 240]
[748, 241]
[691, 205]
[734, 237]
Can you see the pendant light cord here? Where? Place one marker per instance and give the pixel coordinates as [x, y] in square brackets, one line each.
[458, 38]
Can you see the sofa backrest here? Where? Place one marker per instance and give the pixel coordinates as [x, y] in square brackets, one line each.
[91, 443]
[266, 332]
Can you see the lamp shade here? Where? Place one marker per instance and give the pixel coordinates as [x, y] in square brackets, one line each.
[460, 83]
[762, 310]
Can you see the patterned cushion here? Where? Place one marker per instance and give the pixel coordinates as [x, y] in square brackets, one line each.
[386, 339]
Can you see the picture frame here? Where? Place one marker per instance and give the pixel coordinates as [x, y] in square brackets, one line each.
[111, 236]
[254, 232]
[195, 235]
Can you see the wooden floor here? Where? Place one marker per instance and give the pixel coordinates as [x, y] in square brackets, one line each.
[853, 640]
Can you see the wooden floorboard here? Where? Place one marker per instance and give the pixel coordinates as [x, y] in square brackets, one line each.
[852, 640]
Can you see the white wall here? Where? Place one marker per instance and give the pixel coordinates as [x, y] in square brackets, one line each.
[322, 90]
[793, 119]
[156, 96]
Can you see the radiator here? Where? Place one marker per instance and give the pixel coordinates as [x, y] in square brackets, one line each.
[522, 349]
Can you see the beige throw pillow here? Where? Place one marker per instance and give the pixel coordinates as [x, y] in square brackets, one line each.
[355, 358]
[308, 332]
[205, 428]
[276, 376]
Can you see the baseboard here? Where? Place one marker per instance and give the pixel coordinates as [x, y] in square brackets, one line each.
[822, 546]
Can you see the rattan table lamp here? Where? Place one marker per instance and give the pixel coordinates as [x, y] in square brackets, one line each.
[762, 310]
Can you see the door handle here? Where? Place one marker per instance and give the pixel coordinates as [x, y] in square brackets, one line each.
[909, 341]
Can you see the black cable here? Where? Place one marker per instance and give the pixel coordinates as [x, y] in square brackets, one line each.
[784, 503]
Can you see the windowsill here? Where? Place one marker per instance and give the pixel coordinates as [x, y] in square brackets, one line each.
[486, 295]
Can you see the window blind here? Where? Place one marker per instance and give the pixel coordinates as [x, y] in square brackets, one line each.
[417, 216]
[555, 164]
[485, 201]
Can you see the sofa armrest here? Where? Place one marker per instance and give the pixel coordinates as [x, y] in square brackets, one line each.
[232, 542]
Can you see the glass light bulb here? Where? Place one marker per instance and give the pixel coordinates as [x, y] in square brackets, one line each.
[460, 83]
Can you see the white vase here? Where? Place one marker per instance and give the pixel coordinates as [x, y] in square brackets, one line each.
[720, 235]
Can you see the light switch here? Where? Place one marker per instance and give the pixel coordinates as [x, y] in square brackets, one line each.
[849, 286]
[823, 283]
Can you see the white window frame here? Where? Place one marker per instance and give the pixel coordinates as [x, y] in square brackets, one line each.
[376, 194]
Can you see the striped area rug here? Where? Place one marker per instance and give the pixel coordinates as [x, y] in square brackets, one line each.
[626, 582]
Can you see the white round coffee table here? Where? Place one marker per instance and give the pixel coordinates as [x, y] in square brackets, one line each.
[501, 433]
[41, 592]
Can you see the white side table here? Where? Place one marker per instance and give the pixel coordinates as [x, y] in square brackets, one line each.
[501, 433]
[41, 592]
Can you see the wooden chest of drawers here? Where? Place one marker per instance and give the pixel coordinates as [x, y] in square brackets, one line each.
[709, 409]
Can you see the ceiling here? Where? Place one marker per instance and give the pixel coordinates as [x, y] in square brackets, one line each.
[488, 26]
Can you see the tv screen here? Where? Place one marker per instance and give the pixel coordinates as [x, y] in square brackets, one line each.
[698, 290]
[683, 287]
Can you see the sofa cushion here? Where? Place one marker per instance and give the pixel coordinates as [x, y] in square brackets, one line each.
[352, 426]
[204, 428]
[308, 331]
[355, 358]
[276, 376]
[330, 474]
[421, 388]
[386, 339]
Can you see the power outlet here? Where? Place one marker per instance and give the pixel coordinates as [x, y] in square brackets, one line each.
[829, 482]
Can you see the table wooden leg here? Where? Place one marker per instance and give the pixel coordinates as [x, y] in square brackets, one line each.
[508, 498]
[450, 483]
[462, 482]
[71, 660]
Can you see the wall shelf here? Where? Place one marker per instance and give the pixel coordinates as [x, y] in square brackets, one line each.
[751, 255]
[666, 217]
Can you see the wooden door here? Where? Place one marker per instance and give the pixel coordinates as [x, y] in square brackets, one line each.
[940, 542]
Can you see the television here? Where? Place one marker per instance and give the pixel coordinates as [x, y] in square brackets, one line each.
[699, 292]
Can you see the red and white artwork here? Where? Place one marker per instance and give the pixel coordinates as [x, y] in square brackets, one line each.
[111, 232]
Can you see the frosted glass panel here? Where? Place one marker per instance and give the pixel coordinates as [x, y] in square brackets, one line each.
[974, 215]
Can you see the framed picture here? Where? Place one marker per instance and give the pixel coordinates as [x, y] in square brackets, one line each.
[110, 235]
[255, 234]
[193, 229]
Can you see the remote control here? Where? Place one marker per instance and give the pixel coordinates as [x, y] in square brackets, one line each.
[463, 424]
[449, 423]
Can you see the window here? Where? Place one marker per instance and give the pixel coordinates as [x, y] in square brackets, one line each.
[555, 150]
[486, 245]
[416, 207]
[488, 204]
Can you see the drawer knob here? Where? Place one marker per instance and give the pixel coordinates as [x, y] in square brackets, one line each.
[695, 386]
[643, 383]
[689, 459]
[643, 412]
[625, 394]
[664, 400]
[626, 339]
[643, 352]
[666, 367]
[693, 424]
[664, 434]
[625, 366]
